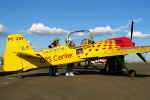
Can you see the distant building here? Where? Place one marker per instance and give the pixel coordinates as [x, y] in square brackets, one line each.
[1, 60]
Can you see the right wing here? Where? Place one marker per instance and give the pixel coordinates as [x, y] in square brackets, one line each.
[131, 50]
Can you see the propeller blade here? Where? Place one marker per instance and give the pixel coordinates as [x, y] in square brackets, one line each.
[131, 29]
[138, 54]
[141, 56]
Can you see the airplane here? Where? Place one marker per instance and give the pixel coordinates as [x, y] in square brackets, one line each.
[20, 56]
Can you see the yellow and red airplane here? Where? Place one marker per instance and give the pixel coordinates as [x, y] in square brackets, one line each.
[20, 56]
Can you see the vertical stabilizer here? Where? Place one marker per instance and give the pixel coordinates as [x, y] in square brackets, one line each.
[15, 43]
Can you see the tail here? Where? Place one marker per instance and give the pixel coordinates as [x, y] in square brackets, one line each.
[15, 43]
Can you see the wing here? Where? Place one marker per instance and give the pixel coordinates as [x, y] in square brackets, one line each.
[130, 50]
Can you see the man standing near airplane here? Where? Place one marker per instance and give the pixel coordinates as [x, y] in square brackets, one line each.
[52, 69]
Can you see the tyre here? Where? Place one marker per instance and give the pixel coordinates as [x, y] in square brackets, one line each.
[132, 73]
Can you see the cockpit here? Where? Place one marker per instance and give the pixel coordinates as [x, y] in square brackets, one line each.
[84, 41]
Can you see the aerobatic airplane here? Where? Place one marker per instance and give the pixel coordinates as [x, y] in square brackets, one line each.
[20, 56]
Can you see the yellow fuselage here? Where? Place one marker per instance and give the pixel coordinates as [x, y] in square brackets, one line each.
[19, 54]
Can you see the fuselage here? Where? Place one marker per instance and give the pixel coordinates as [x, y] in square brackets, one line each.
[63, 54]
[19, 54]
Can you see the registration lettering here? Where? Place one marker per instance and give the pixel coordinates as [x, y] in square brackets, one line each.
[17, 38]
[10, 38]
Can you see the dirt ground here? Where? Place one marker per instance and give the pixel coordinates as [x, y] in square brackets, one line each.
[37, 85]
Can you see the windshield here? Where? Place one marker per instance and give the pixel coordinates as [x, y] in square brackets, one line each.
[82, 37]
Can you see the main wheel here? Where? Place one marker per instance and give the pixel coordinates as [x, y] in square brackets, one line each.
[132, 73]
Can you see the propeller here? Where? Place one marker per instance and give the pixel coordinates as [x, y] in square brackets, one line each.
[132, 23]
[138, 54]
[141, 56]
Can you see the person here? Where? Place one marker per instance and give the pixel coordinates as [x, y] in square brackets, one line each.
[54, 43]
[69, 69]
[53, 71]
[72, 44]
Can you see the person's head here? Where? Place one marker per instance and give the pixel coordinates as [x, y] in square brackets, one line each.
[72, 44]
[56, 40]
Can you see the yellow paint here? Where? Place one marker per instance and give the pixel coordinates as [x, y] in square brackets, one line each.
[19, 54]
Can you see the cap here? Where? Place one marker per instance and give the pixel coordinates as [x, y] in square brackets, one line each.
[55, 39]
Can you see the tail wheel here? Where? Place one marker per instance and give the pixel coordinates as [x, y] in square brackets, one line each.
[132, 73]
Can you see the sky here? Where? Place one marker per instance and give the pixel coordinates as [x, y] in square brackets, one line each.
[42, 20]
